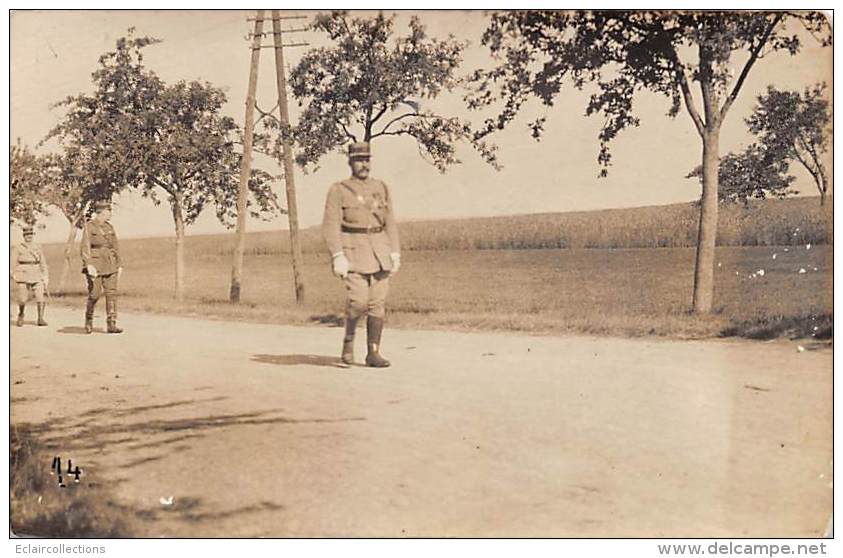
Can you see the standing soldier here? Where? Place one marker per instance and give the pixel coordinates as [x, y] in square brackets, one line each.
[101, 265]
[361, 234]
[29, 272]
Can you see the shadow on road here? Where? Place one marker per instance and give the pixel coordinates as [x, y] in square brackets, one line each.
[147, 439]
[291, 360]
[76, 330]
[334, 320]
[143, 408]
[189, 509]
[14, 323]
[105, 429]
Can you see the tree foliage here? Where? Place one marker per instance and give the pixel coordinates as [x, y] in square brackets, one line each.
[102, 128]
[752, 173]
[793, 126]
[169, 142]
[370, 83]
[622, 52]
[65, 178]
[26, 184]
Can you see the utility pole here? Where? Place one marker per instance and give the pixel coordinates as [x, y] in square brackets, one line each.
[292, 212]
[246, 162]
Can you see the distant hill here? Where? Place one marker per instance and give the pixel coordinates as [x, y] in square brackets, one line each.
[762, 222]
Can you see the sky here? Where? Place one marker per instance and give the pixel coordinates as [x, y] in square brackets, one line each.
[53, 53]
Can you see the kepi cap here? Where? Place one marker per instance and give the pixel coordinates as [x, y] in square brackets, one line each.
[102, 204]
[359, 150]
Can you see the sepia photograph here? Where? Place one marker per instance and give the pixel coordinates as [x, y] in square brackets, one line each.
[421, 274]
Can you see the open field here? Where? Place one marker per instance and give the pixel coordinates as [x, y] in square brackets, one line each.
[792, 221]
[613, 272]
[611, 292]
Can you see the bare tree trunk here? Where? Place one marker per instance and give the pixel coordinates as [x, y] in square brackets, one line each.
[707, 237]
[68, 255]
[827, 205]
[822, 182]
[824, 187]
[178, 219]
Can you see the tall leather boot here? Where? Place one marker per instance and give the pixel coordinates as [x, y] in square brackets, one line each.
[111, 316]
[348, 340]
[41, 307]
[374, 329]
[89, 315]
[21, 311]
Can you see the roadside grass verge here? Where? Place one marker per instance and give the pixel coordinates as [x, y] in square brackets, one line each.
[622, 292]
[40, 508]
[795, 327]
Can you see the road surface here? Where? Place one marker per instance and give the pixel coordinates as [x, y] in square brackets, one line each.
[253, 430]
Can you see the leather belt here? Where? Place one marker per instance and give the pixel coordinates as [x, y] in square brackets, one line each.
[372, 230]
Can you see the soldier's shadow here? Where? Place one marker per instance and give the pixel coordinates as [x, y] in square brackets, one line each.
[293, 360]
[33, 322]
[76, 330]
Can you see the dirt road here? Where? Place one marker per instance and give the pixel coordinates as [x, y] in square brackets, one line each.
[253, 431]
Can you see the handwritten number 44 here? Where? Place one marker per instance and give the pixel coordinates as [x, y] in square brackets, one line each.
[55, 469]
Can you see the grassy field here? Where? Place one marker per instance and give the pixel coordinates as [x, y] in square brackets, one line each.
[595, 291]
[615, 272]
[762, 223]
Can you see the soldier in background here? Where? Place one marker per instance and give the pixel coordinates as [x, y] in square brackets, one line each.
[101, 266]
[361, 234]
[29, 273]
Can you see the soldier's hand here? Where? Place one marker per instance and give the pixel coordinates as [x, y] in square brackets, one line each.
[341, 265]
[92, 271]
[396, 261]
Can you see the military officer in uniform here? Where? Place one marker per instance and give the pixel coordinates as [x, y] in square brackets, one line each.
[29, 274]
[101, 266]
[361, 234]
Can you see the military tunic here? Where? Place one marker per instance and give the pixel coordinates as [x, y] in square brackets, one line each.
[29, 271]
[359, 222]
[99, 248]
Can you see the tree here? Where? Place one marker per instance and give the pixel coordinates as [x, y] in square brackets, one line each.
[26, 185]
[795, 127]
[370, 84]
[169, 142]
[752, 173]
[625, 51]
[65, 189]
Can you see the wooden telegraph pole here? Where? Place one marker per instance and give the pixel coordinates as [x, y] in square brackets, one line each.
[246, 162]
[292, 212]
[246, 165]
